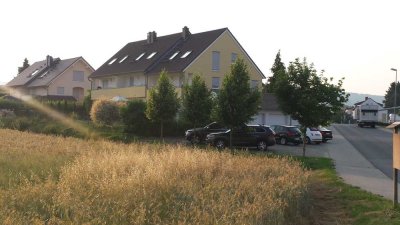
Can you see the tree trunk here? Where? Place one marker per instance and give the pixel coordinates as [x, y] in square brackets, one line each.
[162, 131]
[304, 144]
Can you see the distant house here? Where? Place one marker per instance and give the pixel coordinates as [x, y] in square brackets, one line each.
[376, 109]
[135, 69]
[270, 113]
[53, 79]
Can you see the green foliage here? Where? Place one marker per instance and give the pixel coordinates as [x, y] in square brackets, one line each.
[308, 97]
[87, 102]
[104, 113]
[237, 102]
[196, 102]
[134, 117]
[278, 69]
[389, 97]
[24, 66]
[163, 102]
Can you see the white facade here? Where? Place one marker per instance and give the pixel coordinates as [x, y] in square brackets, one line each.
[273, 118]
[369, 110]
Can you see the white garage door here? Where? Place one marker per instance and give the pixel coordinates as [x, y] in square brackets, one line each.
[275, 119]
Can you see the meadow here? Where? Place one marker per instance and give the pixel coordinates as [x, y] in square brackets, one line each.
[63, 180]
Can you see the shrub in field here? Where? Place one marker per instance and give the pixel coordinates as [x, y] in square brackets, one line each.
[134, 118]
[112, 183]
[104, 112]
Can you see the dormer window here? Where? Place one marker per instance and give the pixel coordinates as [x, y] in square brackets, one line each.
[112, 61]
[151, 55]
[140, 56]
[123, 59]
[173, 56]
[186, 54]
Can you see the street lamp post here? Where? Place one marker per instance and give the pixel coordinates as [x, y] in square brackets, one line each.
[395, 94]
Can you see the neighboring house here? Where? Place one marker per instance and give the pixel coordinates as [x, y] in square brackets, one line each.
[376, 109]
[270, 114]
[53, 79]
[135, 69]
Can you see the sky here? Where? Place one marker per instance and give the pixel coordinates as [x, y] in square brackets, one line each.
[357, 40]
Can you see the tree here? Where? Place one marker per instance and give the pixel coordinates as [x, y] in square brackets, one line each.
[196, 102]
[389, 97]
[163, 102]
[278, 68]
[237, 102]
[24, 66]
[308, 97]
[134, 117]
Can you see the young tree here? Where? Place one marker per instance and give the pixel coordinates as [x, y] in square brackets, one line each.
[196, 102]
[163, 102]
[134, 117]
[24, 66]
[237, 102]
[308, 97]
[278, 69]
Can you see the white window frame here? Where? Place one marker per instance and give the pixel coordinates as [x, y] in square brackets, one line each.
[216, 60]
[60, 90]
[75, 76]
[234, 57]
[186, 54]
[212, 83]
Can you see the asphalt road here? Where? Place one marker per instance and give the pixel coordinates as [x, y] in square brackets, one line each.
[373, 143]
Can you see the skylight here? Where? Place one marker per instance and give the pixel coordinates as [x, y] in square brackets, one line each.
[186, 54]
[140, 56]
[34, 72]
[44, 74]
[123, 59]
[173, 56]
[112, 61]
[151, 55]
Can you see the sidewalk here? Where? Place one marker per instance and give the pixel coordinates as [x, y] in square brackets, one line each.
[350, 164]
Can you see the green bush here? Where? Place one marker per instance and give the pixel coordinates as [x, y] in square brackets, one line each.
[104, 112]
[134, 118]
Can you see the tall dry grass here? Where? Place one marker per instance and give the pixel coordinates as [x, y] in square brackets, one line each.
[111, 183]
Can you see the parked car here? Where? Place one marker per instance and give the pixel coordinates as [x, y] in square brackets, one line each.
[313, 135]
[326, 134]
[198, 135]
[248, 136]
[287, 134]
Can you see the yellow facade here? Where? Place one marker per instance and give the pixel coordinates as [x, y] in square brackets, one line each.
[225, 44]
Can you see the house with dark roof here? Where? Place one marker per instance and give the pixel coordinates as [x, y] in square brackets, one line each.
[135, 69]
[372, 108]
[271, 114]
[53, 78]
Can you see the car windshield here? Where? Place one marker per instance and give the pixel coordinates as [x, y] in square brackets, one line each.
[294, 129]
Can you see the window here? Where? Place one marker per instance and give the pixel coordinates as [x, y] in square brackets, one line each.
[78, 76]
[33, 73]
[186, 54]
[112, 61]
[44, 74]
[151, 55]
[140, 56]
[131, 81]
[105, 83]
[189, 78]
[215, 60]
[60, 90]
[123, 59]
[215, 83]
[254, 84]
[233, 57]
[173, 56]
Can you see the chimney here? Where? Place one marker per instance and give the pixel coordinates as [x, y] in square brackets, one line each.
[151, 37]
[49, 61]
[185, 32]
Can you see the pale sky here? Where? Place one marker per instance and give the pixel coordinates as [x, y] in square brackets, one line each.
[358, 40]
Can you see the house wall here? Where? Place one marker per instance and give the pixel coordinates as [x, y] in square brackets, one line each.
[226, 45]
[273, 118]
[66, 80]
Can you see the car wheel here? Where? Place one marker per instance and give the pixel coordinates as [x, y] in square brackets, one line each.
[261, 145]
[283, 141]
[308, 141]
[324, 141]
[195, 140]
[220, 144]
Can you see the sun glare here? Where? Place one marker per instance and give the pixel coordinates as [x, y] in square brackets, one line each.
[52, 113]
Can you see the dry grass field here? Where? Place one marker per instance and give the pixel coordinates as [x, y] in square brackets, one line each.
[55, 180]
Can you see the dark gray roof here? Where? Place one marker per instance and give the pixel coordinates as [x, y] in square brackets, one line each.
[359, 103]
[269, 102]
[165, 46]
[44, 75]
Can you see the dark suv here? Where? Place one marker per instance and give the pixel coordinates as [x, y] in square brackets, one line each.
[285, 134]
[248, 136]
[197, 135]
